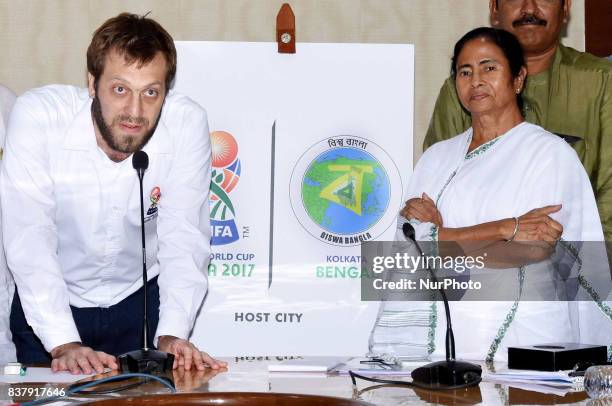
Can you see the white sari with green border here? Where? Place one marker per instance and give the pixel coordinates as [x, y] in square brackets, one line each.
[525, 168]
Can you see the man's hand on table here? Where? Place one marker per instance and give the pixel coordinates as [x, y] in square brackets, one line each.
[186, 354]
[79, 359]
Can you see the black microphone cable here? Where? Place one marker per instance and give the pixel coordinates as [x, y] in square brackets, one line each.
[411, 384]
[79, 389]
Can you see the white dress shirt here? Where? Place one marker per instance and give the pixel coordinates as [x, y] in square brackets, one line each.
[71, 216]
[7, 349]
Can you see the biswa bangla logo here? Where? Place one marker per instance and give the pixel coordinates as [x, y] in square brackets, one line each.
[345, 189]
[225, 176]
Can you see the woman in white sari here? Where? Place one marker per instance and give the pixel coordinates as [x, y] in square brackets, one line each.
[502, 180]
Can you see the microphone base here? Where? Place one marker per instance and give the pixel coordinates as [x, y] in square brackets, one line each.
[146, 361]
[449, 374]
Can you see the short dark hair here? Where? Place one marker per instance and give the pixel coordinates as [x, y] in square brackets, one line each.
[506, 41]
[137, 38]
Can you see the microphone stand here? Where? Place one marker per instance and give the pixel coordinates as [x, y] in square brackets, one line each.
[450, 373]
[145, 360]
[145, 278]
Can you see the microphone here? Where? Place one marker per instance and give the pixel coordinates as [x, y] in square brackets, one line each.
[140, 162]
[145, 360]
[448, 374]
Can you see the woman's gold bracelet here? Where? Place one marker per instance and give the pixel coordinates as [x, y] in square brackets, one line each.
[516, 227]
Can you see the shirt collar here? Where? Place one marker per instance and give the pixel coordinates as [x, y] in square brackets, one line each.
[543, 77]
[80, 136]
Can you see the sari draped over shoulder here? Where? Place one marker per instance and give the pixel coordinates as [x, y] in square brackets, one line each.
[523, 169]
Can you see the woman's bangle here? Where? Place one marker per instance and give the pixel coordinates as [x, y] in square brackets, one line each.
[516, 227]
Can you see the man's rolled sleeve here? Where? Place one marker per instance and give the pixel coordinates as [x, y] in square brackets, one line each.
[184, 229]
[29, 230]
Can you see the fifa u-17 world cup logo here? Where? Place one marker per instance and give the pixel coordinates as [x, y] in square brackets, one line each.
[225, 176]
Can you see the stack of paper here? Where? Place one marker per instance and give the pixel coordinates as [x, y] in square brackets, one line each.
[556, 383]
[559, 378]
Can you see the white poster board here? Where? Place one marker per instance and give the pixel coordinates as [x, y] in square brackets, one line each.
[311, 155]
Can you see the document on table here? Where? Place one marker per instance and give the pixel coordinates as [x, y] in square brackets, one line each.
[343, 365]
[365, 367]
[546, 389]
[555, 383]
[559, 378]
[43, 375]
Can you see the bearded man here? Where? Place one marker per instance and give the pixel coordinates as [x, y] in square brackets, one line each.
[71, 207]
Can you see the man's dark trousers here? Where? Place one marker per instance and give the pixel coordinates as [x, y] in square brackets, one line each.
[114, 330]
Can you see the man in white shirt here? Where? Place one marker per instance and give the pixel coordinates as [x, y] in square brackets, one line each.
[71, 207]
[7, 349]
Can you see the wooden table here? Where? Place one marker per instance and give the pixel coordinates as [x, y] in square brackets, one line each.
[250, 374]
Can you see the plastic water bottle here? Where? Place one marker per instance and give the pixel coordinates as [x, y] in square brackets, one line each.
[401, 330]
[405, 322]
[598, 381]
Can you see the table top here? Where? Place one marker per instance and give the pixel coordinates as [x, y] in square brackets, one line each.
[250, 374]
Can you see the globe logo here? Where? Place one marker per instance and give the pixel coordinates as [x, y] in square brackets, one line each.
[344, 190]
